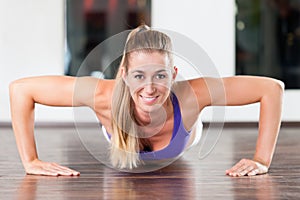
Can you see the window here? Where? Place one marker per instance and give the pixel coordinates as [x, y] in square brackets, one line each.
[90, 22]
[268, 39]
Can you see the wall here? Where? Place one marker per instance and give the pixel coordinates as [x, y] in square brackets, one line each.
[211, 25]
[32, 43]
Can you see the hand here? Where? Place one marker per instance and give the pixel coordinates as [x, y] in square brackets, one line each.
[247, 167]
[38, 167]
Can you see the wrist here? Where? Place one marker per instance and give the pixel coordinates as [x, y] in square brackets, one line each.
[27, 164]
[262, 161]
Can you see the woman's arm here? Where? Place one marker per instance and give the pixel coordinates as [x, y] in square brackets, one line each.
[47, 90]
[242, 90]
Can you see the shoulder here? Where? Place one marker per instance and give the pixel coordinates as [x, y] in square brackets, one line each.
[196, 90]
[91, 91]
[94, 85]
[192, 96]
[103, 94]
[104, 90]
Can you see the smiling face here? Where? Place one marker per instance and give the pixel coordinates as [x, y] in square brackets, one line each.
[149, 78]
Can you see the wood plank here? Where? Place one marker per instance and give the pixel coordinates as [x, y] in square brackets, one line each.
[187, 178]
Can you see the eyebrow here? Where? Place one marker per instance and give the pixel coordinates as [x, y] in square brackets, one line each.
[140, 71]
[137, 71]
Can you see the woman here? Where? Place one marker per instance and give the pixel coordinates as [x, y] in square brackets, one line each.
[145, 114]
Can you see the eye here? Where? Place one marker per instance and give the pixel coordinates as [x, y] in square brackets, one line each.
[139, 76]
[161, 76]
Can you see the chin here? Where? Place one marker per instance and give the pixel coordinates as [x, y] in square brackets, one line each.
[151, 108]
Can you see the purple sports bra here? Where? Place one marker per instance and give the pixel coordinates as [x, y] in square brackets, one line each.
[180, 137]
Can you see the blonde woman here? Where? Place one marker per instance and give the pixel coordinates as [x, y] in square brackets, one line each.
[145, 114]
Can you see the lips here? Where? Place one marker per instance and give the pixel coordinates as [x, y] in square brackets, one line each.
[148, 100]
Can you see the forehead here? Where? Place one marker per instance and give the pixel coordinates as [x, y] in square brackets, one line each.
[149, 69]
[139, 58]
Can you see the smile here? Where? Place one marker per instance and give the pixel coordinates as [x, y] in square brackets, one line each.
[149, 99]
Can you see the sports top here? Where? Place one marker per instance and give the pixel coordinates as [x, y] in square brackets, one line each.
[180, 137]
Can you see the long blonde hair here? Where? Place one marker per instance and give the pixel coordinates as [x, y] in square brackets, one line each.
[125, 142]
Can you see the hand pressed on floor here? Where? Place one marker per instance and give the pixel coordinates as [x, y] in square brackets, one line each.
[247, 167]
[38, 167]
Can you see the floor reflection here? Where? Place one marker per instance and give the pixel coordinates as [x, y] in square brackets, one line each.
[42, 187]
[173, 182]
[186, 178]
[262, 187]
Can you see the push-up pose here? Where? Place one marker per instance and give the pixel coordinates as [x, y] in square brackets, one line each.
[145, 113]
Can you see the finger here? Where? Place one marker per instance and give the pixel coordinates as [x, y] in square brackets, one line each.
[50, 173]
[66, 170]
[46, 172]
[241, 171]
[257, 171]
[62, 171]
[235, 167]
[235, 170]
[248, 169]
[253, 172]
[71, 172]
[41, 171]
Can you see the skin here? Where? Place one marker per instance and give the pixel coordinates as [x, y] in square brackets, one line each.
[97, 94]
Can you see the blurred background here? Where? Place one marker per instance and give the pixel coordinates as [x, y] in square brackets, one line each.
[53, 37]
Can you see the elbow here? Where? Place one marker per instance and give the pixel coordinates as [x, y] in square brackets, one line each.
[280, 84]
[20, 96]
[275, 89]
[15, 89]
[278, 87]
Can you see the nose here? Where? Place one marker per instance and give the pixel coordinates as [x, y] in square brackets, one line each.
[149, 88]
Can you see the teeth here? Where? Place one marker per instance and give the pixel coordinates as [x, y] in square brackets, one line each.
[149, 98]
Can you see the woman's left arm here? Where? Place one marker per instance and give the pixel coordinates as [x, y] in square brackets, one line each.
[242, 90]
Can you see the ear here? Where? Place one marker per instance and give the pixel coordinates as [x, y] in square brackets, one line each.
[123, 73]
[175, 71]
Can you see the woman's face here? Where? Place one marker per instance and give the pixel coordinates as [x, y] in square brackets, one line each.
[149, 78]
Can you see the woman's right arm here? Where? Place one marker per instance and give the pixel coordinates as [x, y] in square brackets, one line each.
[46, 90]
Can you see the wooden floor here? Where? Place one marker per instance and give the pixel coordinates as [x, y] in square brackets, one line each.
[187, 178]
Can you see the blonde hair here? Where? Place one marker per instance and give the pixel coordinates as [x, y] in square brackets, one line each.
[125, 142]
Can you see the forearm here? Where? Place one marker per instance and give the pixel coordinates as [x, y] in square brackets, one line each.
[24, 94]
[269, 124]
[22, 114]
